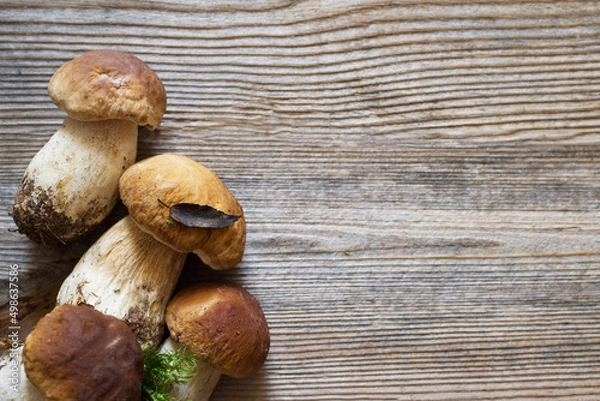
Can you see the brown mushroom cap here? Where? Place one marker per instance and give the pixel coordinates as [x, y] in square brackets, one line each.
[221, 323]
[78, 353]
[148, 188]
[109, 85]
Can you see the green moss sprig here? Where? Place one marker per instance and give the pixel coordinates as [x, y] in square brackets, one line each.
[162, 370]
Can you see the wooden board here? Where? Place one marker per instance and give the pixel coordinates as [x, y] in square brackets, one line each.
[421, 181]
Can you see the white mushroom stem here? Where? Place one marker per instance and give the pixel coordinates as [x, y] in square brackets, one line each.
[14, 384]
[128, 274]
[71, 184]
[197, 388]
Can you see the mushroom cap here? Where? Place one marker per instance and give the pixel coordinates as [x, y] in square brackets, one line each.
[78, 353]
[150, 187]
[109, 85]
[222, 324]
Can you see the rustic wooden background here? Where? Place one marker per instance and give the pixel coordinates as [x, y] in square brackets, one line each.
[421, 180]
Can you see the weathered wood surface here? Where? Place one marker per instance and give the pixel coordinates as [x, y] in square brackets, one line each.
[421, 180]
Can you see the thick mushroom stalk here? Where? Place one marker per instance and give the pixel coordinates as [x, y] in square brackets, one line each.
[72, 182]
[126, 273]
[70, 185]
[224, 327]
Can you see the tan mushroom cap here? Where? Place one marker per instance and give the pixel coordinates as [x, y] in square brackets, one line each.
[221, 323]
[109, 85]
[78, 353]
[150, 186]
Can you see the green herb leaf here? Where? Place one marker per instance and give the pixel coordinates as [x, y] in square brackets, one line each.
[162, 370]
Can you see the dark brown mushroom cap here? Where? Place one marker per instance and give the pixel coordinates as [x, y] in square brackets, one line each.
[221, 323]
[78, 353]
[109, 85]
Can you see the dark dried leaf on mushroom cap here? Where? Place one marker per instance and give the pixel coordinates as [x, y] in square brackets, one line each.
[78, 353]
[109, 85]
[203, 216]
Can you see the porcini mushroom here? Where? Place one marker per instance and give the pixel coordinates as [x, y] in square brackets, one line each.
[184, 204]
[71, 184]
[126, 273]
[130, 272]
[224, 327]
[78, 353]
